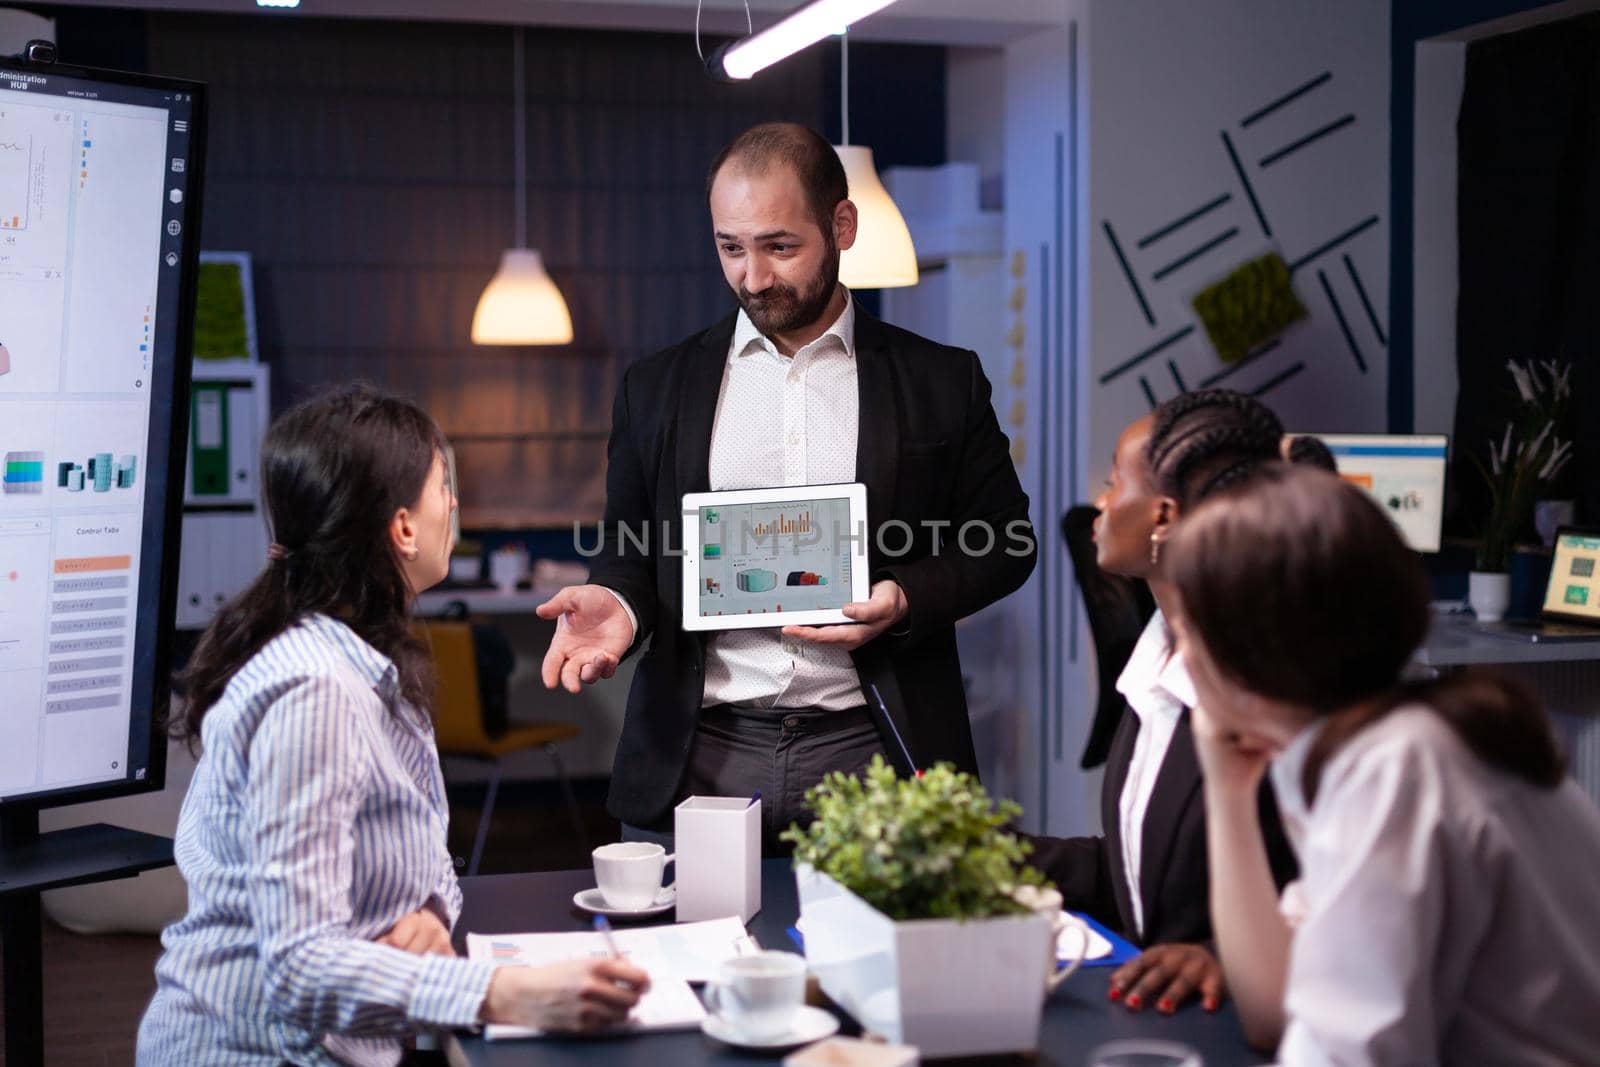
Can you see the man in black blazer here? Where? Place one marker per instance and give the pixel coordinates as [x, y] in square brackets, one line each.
[947, 517]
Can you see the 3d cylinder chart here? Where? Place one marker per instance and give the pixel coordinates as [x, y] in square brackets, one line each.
[755, 581]
[98, 473]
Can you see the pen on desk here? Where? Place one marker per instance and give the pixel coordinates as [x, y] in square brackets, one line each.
[603, 927]
[753, 798]
[893, 730]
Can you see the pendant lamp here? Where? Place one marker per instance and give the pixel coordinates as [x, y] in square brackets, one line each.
[522, 305]
[883, 256]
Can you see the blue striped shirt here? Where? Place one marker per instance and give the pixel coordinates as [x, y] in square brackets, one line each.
[315, 821]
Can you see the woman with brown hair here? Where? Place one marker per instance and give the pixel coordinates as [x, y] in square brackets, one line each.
[312, 840]
[1449, 868]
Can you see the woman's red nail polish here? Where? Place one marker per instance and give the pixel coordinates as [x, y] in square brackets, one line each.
[1166, 1006]
[1211, 1005]
[1136, 1002]
[1115, 993]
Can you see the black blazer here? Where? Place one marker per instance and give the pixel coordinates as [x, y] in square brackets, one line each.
[1174, 885]
[929, 449]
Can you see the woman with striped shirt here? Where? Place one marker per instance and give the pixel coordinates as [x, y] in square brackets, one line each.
[312, 840]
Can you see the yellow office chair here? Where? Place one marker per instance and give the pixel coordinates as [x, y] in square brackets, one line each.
[458, 724]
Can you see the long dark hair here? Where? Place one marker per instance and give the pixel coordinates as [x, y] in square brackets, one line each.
[334, 470]
[1303, 592]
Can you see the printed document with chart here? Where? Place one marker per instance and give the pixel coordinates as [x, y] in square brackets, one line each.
[673, 956]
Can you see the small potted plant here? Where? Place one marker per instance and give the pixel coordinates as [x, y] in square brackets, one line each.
[1522, 465]
[912, 908]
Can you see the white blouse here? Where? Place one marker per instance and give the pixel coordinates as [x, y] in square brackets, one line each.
[1451, 911]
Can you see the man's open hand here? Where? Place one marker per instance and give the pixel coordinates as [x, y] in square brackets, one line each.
[592, 634]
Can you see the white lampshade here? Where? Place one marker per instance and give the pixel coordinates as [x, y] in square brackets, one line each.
[883, 256]
[521, 306]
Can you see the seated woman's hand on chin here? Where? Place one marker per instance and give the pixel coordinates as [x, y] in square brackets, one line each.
[1168, 975]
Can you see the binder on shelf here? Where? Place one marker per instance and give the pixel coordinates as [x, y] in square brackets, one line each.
[208, 436]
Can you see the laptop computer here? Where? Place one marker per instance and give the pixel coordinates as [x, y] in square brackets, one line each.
[1571, 609]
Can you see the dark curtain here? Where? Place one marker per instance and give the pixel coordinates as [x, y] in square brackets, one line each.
[1529, 226]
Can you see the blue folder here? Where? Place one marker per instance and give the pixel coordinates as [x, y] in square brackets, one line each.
[1121, 951]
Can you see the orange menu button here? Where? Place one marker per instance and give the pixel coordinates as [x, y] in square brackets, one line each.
[89, 564]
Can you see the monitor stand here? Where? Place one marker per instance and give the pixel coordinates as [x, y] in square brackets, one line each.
[31, 862]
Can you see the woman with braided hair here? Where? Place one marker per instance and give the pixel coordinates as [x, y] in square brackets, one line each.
[1146, 876]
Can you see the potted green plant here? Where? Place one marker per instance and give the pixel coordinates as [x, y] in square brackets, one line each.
[1522, 465]
[919, 914]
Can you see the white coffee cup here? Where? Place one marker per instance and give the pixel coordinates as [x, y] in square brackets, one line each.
[759, 995]
[1048, 902]
[629, 873]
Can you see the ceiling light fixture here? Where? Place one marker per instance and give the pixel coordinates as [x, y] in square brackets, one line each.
[883, 256]
[805, 26]
[521, 305]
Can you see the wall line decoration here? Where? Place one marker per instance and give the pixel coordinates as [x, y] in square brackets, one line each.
[1344, 326]
[1321, 249]
[1182, 261]
[1208, 382]
[1277, 379]
[1366, 301]
[1315, 135]
[1226, 264]
[1238, 168]
[1127, 271]
[1288, 98]
[1166, 342]
[1204, 209]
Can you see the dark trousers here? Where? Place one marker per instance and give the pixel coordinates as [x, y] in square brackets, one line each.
[780, 752]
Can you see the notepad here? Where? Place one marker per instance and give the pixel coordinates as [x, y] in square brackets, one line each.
[673, 956]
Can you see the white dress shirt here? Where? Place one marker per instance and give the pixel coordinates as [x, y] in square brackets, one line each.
[784, 420]
[1157, 688]
[1449, 909]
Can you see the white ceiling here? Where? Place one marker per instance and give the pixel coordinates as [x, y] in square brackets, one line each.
[949, 22]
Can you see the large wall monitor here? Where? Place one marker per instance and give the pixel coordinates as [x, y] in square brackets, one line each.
[99, 223]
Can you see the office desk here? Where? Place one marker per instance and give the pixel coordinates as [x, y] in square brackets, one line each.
[1564, 674]
[1076, 1018]
[1458, 641]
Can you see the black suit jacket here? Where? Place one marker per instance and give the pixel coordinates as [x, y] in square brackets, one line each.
[1174, 885]
[929, 449]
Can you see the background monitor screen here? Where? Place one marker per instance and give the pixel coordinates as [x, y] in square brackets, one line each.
[1404, 473]
[99, 219]
[1574, 588]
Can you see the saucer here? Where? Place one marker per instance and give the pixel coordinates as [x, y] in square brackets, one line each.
[810, 1024]
[594, 902]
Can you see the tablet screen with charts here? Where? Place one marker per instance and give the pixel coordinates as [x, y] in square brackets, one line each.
[773, 557]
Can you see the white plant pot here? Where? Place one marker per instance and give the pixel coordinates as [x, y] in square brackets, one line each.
[951, 988]
[1489, 593]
